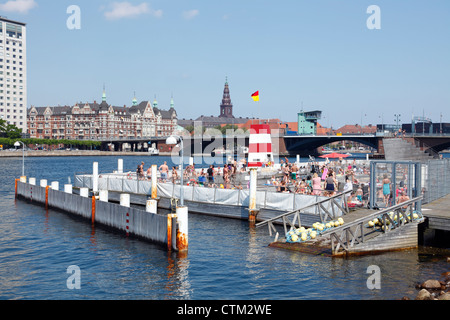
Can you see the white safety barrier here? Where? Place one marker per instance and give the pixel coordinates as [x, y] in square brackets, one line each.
[264, 199]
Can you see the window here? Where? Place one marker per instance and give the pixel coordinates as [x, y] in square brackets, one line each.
[13, 31]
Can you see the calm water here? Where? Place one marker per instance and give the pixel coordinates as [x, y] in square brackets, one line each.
[226, 259]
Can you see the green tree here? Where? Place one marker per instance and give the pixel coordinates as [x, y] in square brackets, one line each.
[9, 130]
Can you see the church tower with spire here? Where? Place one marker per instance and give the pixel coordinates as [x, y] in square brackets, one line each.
[226, 108]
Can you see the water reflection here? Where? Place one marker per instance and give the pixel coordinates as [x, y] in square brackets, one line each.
[178, 285]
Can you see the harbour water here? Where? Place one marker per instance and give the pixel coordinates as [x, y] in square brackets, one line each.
[227, 260]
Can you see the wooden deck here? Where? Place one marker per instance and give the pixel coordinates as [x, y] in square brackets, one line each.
[438, 213]
[374, 241]
[322, 246]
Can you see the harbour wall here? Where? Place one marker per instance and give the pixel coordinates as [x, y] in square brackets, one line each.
[162, 229]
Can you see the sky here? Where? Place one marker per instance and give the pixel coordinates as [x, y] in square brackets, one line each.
[312, 54]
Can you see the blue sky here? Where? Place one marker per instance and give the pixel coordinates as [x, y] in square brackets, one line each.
[319, 53]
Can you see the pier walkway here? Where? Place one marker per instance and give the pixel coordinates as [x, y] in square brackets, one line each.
[437, 213]
[396, 229]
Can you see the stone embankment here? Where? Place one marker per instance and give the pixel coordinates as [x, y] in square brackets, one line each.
[434, 289]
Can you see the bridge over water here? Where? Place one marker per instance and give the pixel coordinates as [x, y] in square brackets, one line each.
[292, 145]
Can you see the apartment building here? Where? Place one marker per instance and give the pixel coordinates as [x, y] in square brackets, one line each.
[13, 73]
[102, 121]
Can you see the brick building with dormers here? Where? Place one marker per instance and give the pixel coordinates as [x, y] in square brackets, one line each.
[101, 121]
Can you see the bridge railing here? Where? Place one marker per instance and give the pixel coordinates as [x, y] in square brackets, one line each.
[411, 135]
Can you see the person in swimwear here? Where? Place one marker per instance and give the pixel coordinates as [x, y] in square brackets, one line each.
[386, 190]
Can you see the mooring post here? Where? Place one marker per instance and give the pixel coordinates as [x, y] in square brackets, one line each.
[55, 185]
[104, 196]
[120, 166]
[84, 192]
[68, 188]
[252, 211]
[23, 179]
[125, 200]
[154, 182]
[95, 178]
[43, 183]
[16, 181]
[46, 196]
[151, 206]
[93, 209]
[32, 181]
[183, 228]
[169, 231]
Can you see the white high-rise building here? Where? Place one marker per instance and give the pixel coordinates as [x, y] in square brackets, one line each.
[13, 73]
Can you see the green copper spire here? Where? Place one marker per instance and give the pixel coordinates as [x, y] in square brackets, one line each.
[104, 94]
[135, 100]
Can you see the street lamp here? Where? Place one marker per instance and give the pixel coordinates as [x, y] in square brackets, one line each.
[17, 144]
[174, 140]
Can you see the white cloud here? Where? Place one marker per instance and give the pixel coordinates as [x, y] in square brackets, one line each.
[20, 6]
[121, 10]
[190, 14]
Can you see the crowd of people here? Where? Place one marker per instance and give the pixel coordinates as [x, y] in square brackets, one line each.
[317, 178]
[313, 178]
[225, 176]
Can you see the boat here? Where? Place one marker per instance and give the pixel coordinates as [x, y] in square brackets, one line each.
[221, 152]
[153, 151]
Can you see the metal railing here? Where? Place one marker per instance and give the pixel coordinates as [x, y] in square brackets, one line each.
[349, 235]
[436, 174]
[320, 208]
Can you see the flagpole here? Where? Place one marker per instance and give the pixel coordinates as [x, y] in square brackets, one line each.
[255, 97]
[259, 109]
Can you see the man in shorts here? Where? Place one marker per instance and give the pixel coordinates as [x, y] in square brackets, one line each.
[164, 169]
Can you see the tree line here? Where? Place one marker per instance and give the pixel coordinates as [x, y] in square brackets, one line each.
[9, 134]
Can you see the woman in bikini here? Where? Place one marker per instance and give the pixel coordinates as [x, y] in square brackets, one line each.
[386, 190]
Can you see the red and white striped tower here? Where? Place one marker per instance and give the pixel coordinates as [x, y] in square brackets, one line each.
[260, 146]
